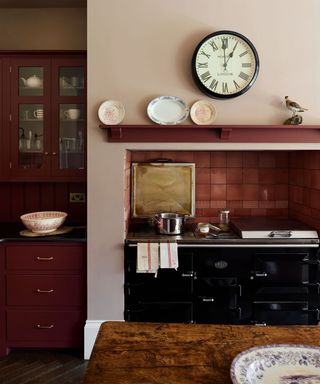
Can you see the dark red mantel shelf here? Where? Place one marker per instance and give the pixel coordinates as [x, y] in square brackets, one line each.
[212, 133]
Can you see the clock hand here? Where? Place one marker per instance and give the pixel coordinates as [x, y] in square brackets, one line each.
[231, 53]
[224, 47]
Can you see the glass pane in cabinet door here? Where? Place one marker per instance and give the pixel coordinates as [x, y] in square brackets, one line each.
[30, 135]
[71, 136]
[71, 81]
[30, 81]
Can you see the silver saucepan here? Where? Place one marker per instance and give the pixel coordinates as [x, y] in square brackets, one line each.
[169, 223]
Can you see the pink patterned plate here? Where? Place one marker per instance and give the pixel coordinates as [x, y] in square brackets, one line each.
[111, 112]
[203, 112]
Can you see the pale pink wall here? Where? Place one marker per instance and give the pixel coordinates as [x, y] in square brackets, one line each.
[140, 49]
[43, 28]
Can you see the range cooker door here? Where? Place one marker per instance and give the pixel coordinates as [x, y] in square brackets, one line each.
[284, 313]
[164, 312]
[287, 267]
[218, 301]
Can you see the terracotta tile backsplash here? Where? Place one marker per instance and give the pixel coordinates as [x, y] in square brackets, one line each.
[304, 187]
[249, 183]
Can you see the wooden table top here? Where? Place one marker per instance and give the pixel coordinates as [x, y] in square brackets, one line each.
[154, 353]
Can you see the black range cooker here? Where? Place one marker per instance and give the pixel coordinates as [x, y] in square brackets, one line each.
[262, 271]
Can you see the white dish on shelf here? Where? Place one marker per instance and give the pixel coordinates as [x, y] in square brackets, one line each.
[203, 112]
[277, 363]
[167, 110]
[111, 112]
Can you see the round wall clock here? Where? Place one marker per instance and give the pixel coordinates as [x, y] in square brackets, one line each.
[225, 64]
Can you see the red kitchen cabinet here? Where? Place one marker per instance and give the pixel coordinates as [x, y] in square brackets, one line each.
[3, 345]
[45, 116]
[45, 294]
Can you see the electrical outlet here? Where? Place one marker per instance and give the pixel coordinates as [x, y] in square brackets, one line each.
[79, 197]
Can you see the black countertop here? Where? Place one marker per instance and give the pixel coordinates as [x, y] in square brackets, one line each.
[11, 232]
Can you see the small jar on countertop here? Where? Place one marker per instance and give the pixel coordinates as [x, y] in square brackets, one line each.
[224, 219]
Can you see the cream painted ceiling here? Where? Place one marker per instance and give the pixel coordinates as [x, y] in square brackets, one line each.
[43, 3]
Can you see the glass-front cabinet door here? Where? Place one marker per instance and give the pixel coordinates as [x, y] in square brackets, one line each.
[30, 117]
[69, 109]
[47, 118]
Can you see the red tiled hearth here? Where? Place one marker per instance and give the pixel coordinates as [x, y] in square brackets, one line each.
[250, 183]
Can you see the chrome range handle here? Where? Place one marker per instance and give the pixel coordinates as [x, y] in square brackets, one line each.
[258, 274]
[206, 299]
[306, 260]
[281, 234]
[188, 274]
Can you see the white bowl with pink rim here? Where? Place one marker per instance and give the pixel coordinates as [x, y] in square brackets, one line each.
[43, 221]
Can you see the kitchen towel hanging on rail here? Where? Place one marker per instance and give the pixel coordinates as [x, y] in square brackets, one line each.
[148, 257]
[169, 255]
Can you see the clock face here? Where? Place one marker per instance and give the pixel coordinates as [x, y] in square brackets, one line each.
[225, 64]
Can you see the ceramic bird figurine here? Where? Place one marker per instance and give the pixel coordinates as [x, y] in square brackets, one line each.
[293, 106]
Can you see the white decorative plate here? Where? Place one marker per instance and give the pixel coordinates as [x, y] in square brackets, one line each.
[111, 112]
[277, 364]
[203, 112]
[167, 110]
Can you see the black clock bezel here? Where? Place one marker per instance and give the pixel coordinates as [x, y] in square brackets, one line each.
[213, 94]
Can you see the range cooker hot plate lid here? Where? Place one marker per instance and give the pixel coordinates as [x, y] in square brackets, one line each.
[272, 228]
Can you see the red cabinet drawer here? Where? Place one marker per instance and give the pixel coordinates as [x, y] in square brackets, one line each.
[45, 326]
[45, 290]
[45, 257]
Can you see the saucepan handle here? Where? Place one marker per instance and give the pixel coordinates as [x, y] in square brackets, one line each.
[155, 219]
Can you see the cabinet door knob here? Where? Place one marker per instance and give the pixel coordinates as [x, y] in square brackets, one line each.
[54, 153]
[45, 258]
[46, 153]
[44, 290]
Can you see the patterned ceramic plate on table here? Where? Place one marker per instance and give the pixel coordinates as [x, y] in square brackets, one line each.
[277, 364]
[167, 110]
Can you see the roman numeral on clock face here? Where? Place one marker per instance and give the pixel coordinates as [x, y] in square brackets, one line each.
[236, 85]
[214, 84]
[243, 53]
[244, 76]
[224, 41]
[205, 54]
[206, 76]
[202, 65]
[246, 65]
[224, 87]
[213, 45]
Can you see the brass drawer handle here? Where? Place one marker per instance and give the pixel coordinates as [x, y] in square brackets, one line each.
[45, 258]
[39, 326]
[44, 290]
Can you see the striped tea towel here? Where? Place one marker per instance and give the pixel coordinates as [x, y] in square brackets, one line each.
[148, 257]
[169, 255]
